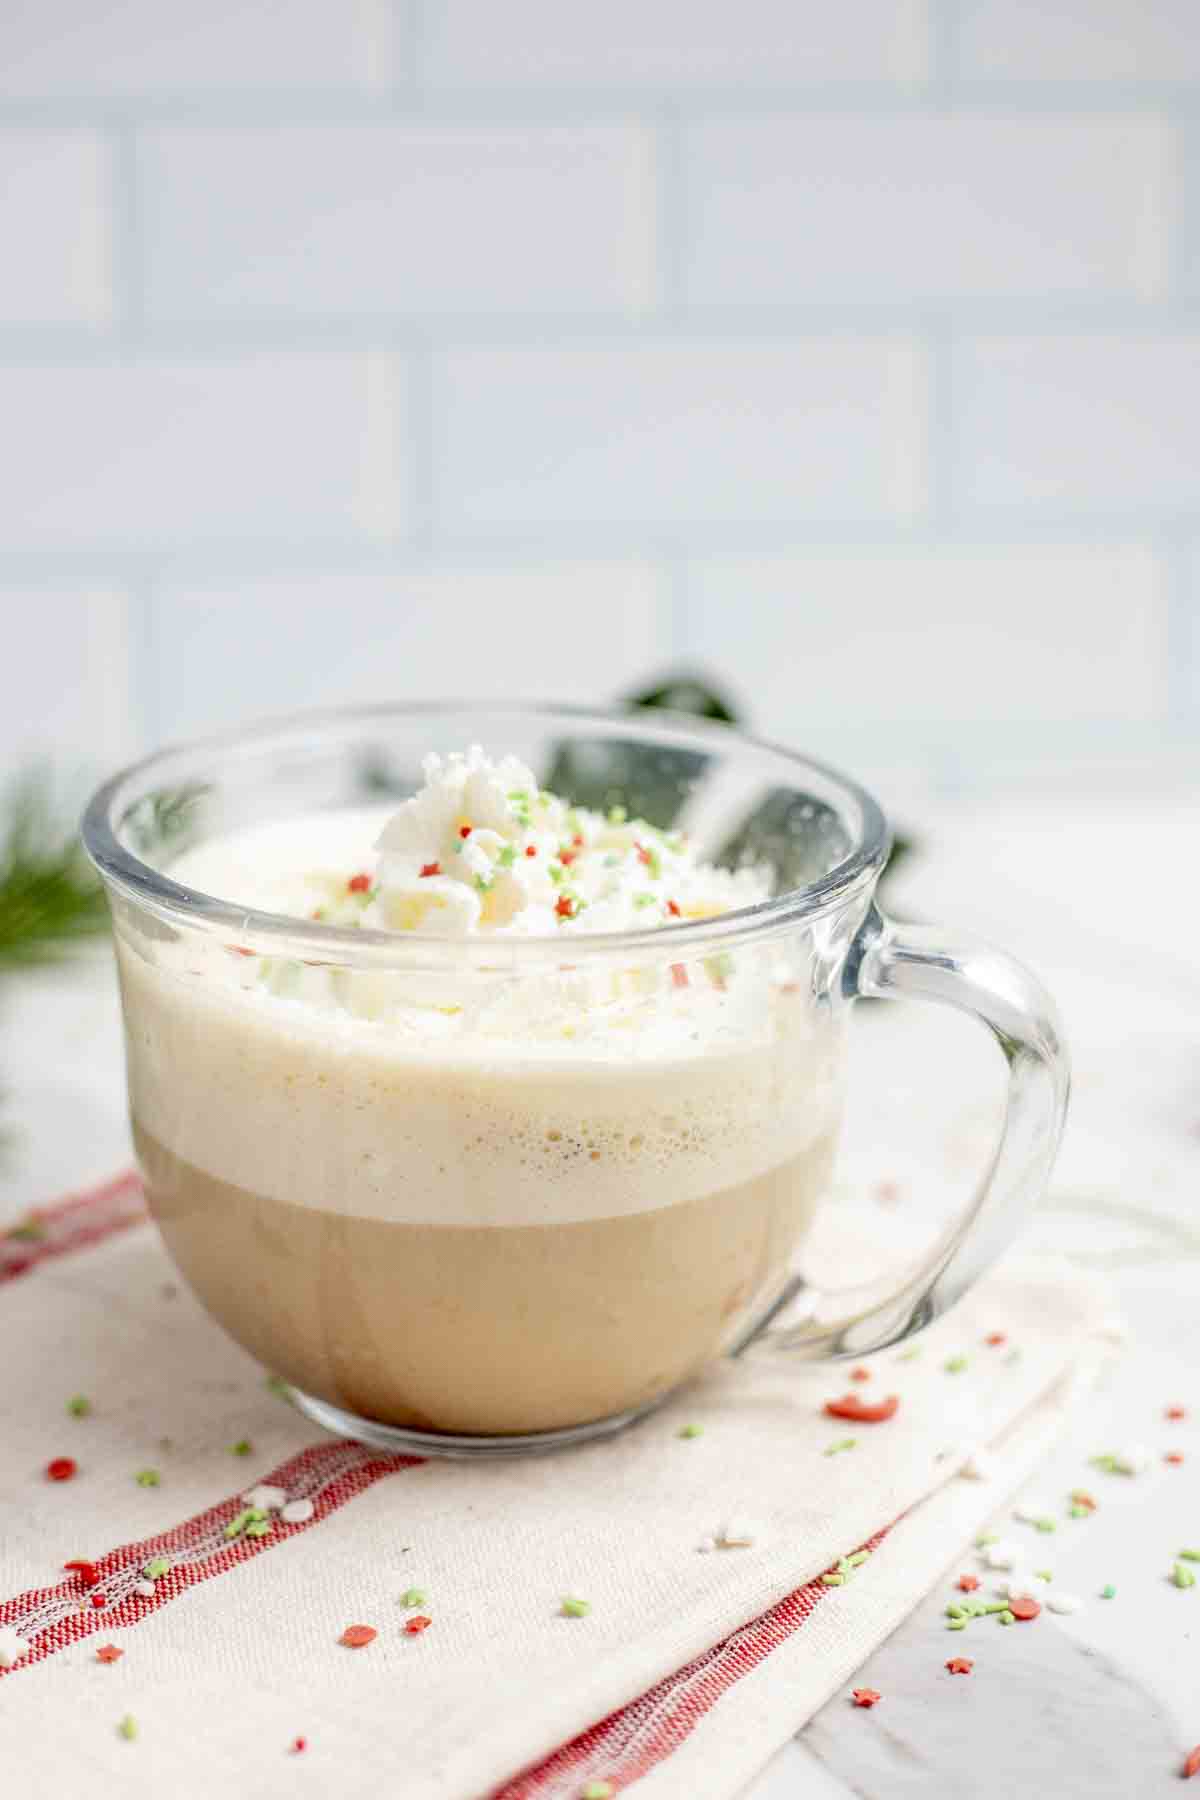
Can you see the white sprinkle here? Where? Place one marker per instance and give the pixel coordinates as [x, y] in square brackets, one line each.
[1135, 1459]
[269, 1498]
[706, 1544]
[146, 1589]
[1030, 1511]
[1004, 1555]
[1062, 1603]
[979, 1466]
[12, 1647]
[738, 1533]
[297, 1511]
[1016, 1585]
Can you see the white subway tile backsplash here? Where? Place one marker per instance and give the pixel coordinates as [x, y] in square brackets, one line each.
[935, 640]
[677, 433]
[1091, 422]
[157, 48]
[911, 208]
[66, 685]
[1079, 40]
[687, 43]
[161, 453]
[376, 220]
[560, 630]
[55, 227]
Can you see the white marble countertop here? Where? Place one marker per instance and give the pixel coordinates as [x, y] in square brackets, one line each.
[1099, 896]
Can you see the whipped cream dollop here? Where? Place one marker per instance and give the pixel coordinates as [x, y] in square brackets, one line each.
[481, 849]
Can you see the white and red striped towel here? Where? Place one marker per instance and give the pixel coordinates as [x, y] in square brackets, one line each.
[687, 1670]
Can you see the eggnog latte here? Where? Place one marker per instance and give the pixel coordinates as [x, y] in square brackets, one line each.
[462, 1202]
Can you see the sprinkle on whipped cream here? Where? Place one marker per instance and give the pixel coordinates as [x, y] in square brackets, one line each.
[481, 849]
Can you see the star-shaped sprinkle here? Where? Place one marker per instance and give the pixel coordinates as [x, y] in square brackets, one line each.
[867, 1696]
[109, 1653]
[960, 1665]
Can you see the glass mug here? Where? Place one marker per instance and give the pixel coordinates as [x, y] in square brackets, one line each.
[493, 1194]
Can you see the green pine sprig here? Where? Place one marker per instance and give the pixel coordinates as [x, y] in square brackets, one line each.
[50, 900]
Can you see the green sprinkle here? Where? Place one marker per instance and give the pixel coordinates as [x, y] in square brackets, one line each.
[993, 1606]
[1108, 1591]
[1190, 1555]
[148, 1478]
[957, 1625]
[1183, 1577]
[79, 1406]
[1006, 1617]
[691, 1431]
[841, 1444]
[617, 815]
[1045, 1524]
[832, 1579]
[653, 862]
[1107, 1462]
[414, 1597]
[29, 1231]
[278, 1385]
[954, 1365]
[507, 856]
[573, 821]
[556, 873]
[1044, 1574]
[640, 900]
[128, 1728]
[545, 798]
[985, 1538]
[485, 883]
[1080, 1512]
[155, 1568]
[909, 1355]
[611, 860]
[239, 1524]
[576, 1609]
[719, 968]
[243, 1447]
[859, 1557]
[599, 1790]
[956, 1611]
[258, 1528]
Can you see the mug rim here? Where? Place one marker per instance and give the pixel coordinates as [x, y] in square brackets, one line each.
[125, 872]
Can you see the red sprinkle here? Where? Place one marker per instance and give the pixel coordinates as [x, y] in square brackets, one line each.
[1081, 1497]
[851, 1407]
[86, 1571]
[968, 1583]
[464, 831]
[238, 950]
[566, 858]
[577, 840]
[960, 1665]
[1192, 1765]
[108, 1653]
[679, 975]
[643, 854]
[358, 884]
[1173, 1456]
[355, 1637]
[564, 906]
[996, 1338]
[860, 1374]
[1177, 1412]
[431, 869]
[417, 1624]
[866, 1696]
[299, 1744]
[531, 849]
[98, 1599]
[62, 1468]
[674, 909]
[1024, 1607]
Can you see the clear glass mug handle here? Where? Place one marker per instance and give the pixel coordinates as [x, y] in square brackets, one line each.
[889, 961]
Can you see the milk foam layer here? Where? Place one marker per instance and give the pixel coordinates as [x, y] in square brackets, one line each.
[529, 1101]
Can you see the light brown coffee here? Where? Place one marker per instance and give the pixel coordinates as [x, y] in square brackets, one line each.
[483, 1329]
